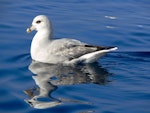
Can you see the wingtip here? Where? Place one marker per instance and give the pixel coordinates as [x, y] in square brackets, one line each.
[114, 48]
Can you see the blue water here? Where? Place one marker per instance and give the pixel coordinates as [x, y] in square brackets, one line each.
[118, 83]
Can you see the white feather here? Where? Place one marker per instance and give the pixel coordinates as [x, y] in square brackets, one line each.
[45, 49]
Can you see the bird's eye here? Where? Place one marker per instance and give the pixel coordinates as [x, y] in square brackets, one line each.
[38, 21]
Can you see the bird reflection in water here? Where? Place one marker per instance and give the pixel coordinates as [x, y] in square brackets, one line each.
[49, 77]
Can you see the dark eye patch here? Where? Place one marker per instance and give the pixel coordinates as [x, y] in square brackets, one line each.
[38, 21]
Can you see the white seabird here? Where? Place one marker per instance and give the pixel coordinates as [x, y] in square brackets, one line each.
[65, 51]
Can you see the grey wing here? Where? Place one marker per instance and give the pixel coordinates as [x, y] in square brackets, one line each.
[75, 51]
[68, 48]
[71, 49]
[80, 50]
[61, 44]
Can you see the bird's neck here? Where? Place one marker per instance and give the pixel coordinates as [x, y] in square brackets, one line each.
[44, 34]
[40, 44]
[41, 39]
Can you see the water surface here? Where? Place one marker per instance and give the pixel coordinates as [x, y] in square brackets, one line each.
[118, 83]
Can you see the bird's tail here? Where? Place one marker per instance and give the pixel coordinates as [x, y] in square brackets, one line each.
[94, 56]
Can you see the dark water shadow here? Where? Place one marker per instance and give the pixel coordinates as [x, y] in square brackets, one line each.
[140, 56]
[49, 77]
